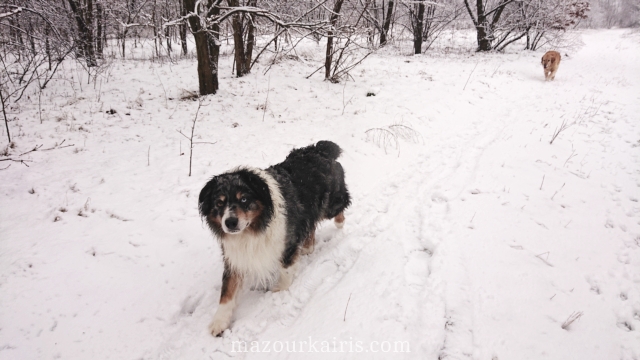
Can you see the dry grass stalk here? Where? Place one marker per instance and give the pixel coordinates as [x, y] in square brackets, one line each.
[573, 317]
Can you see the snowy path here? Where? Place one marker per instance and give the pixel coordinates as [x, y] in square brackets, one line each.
[477, 242]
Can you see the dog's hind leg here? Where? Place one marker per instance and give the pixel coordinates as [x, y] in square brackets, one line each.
[309, 244]
[231, 284]
[339, 220]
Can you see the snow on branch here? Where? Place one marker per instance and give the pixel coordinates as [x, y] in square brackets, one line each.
[11, 13]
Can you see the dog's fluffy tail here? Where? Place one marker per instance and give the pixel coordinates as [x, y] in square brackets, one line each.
[328, 149]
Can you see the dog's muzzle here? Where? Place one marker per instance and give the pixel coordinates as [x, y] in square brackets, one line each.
[232, 224]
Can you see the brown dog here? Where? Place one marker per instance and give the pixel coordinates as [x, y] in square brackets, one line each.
[550, 63]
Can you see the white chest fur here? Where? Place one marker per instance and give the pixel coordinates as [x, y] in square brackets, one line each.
[257, 257]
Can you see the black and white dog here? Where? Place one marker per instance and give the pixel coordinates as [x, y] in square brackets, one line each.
[265, 219]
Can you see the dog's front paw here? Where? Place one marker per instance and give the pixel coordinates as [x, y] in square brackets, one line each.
[339, 220]
[217, 326]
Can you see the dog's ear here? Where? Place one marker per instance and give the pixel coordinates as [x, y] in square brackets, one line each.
[205, 201]
[553, 59]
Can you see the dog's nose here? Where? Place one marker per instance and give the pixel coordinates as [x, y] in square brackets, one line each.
[232, 223]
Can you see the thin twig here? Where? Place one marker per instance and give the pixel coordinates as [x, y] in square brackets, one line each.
[24, 162]
[163, 89]
[496, 70]
[558, 191]
[205, 142]
[542, 182]
[474, 69]
[539, 256]
[32, 150]
[345, 309]
[58, 147]
[264, 112]
[573, 317]
[344, 105]
[190, 138]
[573, 154]
[193, 128]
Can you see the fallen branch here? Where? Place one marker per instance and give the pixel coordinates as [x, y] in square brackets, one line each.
[35, 148]
[57, 146]
[24, 162]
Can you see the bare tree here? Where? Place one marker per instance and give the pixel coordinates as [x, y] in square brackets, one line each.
[243, 36]
[387, 21]
[485, 21]
[429, 19]
[333, 21]
[207, 48]
[541, 22]
[30, 63]
[84, 19]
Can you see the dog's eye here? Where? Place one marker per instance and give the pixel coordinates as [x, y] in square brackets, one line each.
[219, 203]
[243, 200]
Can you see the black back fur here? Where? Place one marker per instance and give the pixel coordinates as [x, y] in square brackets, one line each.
[312, 183]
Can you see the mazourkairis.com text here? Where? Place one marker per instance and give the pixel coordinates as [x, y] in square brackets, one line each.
[320, 346]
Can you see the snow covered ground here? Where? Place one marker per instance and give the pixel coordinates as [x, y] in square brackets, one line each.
[470, 237]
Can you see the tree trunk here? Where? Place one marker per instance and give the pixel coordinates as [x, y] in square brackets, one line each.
[484, 44]
[4, 113]
[387, 23]
[156, 33]
[183, 30]
[124, 36]
[482, 28]
[99, 30]
[213, 39]
[32, 41]
[242, 55]
[207, 70]
[417, 31]
[238, 45]
[329, 56]
[89, 44]
[167, 36]
[47, 45]
[251, 38]
[85, 30]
